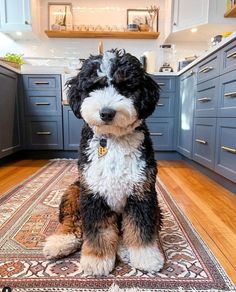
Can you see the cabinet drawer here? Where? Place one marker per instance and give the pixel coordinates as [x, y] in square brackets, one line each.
[227, 96]
[206, 98]
[161, 132]
[204, 141]
[42, 82]
[165, 106]
[167, 84]
[228, 58]
[44, 133]
[208, 68]
[226, 148]
[43, 103]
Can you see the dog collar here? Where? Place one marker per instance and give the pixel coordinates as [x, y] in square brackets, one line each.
[102, 148]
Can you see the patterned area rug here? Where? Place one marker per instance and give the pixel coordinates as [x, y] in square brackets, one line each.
[29, 214]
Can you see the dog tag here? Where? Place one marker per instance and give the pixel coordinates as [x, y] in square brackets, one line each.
[102, 149]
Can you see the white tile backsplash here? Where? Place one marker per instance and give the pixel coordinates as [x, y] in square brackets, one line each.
[100, 12]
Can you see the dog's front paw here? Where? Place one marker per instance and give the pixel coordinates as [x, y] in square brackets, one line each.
[148, 258]
[60, 245]
[96, 266]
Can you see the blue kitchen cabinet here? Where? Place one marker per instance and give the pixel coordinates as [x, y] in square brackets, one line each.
[228, 58]
[227, 95]
[207, 98]
[161, 123]
[15, 15]
[204, 141]
[43, 111]
[185, 112]
[225, 158]
[10, 121]
[72, 129]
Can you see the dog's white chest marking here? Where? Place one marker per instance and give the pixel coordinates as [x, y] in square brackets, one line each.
[113, 175]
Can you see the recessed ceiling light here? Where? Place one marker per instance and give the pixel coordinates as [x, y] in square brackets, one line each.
[19, 33]
[194, 29]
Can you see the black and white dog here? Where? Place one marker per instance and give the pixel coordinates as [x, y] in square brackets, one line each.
[115, 194]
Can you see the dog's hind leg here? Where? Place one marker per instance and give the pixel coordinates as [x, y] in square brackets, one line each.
[68, 237]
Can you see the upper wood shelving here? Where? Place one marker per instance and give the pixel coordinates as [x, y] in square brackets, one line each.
[231, 12]
[102, 34]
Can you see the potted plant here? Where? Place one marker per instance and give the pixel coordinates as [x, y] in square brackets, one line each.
[14, 60]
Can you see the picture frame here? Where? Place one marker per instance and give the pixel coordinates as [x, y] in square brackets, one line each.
[139, 16]
[56, 14]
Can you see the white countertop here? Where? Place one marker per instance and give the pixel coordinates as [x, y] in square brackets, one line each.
[29, 69]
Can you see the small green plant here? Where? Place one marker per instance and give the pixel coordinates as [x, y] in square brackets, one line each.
[17, 58]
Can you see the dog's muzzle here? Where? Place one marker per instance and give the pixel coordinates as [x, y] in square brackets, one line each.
[107, 114]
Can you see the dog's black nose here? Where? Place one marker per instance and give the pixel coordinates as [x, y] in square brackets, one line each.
[107, 114]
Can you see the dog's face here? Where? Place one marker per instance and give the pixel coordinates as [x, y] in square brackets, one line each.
[112, 93]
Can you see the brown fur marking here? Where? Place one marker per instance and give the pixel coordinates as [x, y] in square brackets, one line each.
[69, 216]
[105, 242]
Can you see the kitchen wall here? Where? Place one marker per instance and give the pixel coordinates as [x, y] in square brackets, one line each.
[101, 12]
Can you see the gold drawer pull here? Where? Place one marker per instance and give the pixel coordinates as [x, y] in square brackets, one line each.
[204, 99]
[232, 55]
[43, 133]
[160, 104]
[230, 94]
[42, 103]
[190, 74]
[156, 134]
[201, 141]
[41, 82]
[228, 149]
[161, 83]
[206, 69]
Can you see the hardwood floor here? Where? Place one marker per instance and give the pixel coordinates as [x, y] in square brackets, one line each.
[210, 207]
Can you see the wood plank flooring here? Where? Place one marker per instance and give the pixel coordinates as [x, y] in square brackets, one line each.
[210, 207]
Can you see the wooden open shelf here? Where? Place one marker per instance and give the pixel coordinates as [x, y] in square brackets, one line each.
[231, 12]
[102, 34]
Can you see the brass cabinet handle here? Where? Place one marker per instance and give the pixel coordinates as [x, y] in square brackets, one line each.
[230, 94]
[232, 55]
[41, 82]
[201, 141]
[156, 134]
[228, 149]
[204, 99]
[161, 83]
[160, 104]
[206, 69]
[190, 74]
[42, 103]
[43, 133]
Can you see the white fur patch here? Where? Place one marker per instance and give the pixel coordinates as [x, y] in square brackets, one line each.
[126, 114]
[147, 258]
[114, 174]
[60, 245]
[105, 67]
[92, 265]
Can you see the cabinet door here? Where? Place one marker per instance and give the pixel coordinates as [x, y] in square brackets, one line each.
[9, 113]
[72, 129]
[186, 106]
[189, 13]
[225, 162]
[15, 15]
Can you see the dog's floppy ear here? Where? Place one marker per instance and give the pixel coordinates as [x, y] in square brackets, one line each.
[150, 96]
[74, 95]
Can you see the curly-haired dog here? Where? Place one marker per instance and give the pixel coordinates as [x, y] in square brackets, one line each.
[117, 170]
